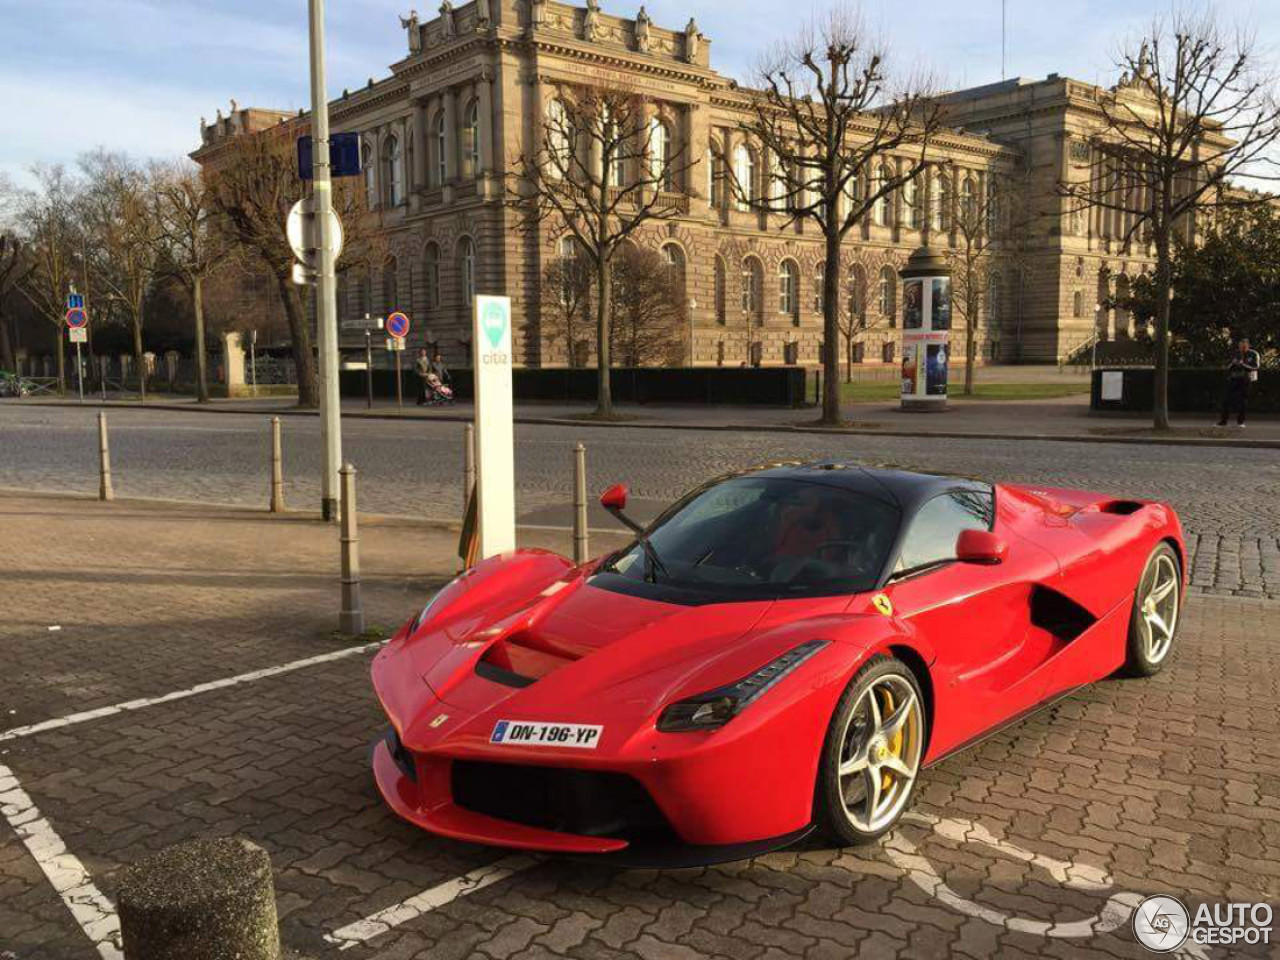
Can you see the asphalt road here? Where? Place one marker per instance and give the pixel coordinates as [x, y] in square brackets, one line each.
[1227, 498]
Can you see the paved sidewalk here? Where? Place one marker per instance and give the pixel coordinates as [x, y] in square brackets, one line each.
[1063, 418]
[1036, 843]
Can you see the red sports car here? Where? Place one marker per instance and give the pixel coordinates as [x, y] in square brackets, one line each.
[783, 649]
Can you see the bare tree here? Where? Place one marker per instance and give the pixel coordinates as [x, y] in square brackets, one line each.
[989, 226]
[119, 215]
[648, 309]
[251, 190]
[856, 320]
[47, 216]
[191, 248]
[837, 139]
[602, 168]
[15, 266]
[568, 282]
[1194, 110]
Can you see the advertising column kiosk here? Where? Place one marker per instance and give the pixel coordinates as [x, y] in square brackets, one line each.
[926, 331]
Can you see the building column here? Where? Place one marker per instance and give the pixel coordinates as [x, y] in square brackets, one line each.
[450, 97]
[420, 150]
[484, 92]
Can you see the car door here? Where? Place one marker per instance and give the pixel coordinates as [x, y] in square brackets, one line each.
[988, 667]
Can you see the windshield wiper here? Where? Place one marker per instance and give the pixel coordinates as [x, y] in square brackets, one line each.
[655, 562]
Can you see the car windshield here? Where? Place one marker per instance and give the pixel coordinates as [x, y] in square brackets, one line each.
[759, 538]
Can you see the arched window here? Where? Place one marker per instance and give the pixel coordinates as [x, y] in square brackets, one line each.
[431, 274]
[673, 260]
[968, 204]
[940, 205]
[911, 203]
[659, 153]
[370, 176]
[888, 292]
[995, 299]
[395, 172]
[857, 292]
[366, 294]
[820, 289]
[777, 182]
[471, 142]
[752, 286]
[558, 139]
[1077, 304]
[721, 290]
[880, 212]
[467, 269]
[744, 172]
[789, 290]
[615, 145]
[390, 286]
[442, 150]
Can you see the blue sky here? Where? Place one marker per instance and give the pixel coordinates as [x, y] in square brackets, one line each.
[137, 75]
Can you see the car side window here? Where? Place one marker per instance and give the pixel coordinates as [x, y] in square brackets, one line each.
[936, 526]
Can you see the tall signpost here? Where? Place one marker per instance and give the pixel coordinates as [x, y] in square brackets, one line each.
[77, 332]
[926, 331]
[398, 326]
[326, 294]
[495, 433]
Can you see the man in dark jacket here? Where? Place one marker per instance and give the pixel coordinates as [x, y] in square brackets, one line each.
[1242, 371]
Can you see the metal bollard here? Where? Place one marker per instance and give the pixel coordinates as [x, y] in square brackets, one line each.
[581, 544]
[468, 464]
[105, 490]
[351, 619]
[277, 468]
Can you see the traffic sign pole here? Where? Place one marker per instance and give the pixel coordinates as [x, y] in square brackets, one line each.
[79, 372]
[368, 369]
[326, 297]
[399, 384]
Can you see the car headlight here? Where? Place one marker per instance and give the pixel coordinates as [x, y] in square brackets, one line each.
[715, 708]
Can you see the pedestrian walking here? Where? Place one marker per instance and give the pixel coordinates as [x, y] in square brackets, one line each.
[422, 367]
[1242, 372]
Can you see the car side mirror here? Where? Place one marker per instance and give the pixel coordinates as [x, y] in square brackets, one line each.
[615, 498]
[980, 546]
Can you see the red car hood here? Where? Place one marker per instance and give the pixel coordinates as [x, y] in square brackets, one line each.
[582, 647]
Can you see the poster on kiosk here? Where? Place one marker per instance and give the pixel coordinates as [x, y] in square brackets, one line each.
[926, 331]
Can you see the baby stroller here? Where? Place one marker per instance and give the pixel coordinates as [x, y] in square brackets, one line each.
[438, 392]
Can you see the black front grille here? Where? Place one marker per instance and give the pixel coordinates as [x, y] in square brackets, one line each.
[569, 801]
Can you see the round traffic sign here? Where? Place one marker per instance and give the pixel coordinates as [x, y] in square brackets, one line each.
[398, 325]
[77, 318]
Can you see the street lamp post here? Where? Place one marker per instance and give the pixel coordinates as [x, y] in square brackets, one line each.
[326, 296]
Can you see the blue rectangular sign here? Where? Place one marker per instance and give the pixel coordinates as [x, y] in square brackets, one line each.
[75, 301]
[344, 156]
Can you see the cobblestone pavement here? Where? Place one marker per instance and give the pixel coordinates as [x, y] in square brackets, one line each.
[1036, 843]
[1226, 497]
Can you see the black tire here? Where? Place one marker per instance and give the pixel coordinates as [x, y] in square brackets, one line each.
[1140, 658]
[830, 813]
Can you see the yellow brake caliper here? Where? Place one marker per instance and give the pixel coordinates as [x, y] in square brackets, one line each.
[895, 744]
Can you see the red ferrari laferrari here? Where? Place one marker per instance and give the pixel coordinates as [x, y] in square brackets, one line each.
[783, 649]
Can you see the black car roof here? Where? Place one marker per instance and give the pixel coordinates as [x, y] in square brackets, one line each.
[906, 489]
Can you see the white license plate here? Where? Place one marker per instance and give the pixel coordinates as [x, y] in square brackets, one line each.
[522, 734]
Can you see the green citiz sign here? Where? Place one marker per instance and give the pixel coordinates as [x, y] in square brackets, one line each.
[495, 321]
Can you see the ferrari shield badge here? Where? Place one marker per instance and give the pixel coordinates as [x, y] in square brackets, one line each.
[883, 604]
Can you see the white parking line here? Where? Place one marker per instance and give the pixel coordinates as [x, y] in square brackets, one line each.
[209, 687]
[94, 913]
[383, 921]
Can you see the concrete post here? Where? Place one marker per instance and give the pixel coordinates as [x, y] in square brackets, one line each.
[105, 490]
[581, 544]
[202, 900]
[277, 468]
[468, 465]
[351, 619]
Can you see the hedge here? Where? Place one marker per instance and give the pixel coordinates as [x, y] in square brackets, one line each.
[1190, 391]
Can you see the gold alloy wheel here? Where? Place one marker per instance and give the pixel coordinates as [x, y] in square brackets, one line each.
[1159, 610]
[880, 753]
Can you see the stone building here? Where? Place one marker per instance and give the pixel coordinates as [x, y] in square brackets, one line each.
[441, 133]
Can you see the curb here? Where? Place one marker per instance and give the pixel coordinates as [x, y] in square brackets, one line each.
[731, 426]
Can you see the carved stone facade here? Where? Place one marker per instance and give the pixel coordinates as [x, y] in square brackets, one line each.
[441, 134]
